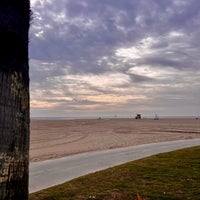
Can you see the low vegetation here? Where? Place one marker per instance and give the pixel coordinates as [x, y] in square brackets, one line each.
[167, 176]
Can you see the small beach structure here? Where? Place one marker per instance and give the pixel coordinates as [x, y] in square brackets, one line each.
[156, 117]
[138, 116]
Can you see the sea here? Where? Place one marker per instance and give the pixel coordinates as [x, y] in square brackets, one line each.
[112, 117]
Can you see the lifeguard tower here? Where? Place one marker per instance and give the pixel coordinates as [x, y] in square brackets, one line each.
[138, 116]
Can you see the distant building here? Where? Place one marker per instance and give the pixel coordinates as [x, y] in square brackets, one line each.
[138, 116]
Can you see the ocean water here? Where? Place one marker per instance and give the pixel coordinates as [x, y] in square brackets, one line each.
[74, 118]
[113, 117]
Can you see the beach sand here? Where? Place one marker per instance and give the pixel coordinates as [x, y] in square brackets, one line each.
[57, 138]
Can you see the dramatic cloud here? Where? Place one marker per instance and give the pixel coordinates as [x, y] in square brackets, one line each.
[92, 58]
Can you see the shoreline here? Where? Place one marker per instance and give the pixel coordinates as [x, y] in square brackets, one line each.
[114, 118]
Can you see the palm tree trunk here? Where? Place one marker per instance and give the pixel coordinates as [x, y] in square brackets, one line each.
[14, 99]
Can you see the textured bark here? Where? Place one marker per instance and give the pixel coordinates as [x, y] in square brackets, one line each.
[14, 99]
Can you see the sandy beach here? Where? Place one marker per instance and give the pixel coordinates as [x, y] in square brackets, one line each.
[57, 138]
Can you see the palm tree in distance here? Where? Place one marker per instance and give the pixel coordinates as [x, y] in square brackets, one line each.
[14, 99]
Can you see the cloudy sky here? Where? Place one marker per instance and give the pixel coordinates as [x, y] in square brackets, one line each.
[115, 57]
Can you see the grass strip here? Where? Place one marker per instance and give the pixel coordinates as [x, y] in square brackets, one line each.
[167, 176]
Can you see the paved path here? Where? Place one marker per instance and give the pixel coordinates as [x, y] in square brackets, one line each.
[53, 172]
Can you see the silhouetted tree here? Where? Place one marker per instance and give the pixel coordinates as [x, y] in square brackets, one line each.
[14, 99]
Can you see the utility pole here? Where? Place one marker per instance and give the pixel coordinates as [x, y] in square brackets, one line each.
[14, 99]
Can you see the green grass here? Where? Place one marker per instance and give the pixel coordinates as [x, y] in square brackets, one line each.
[167, 176]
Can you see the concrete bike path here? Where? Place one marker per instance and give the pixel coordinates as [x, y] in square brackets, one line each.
[53, 172]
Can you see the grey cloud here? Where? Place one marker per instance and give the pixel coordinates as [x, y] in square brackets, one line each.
[40, 71]
[137, 79]
[160, 61]
[76, 35]
[104, 35]
[72, 102]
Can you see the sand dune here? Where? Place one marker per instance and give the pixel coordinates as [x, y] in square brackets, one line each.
[57, 138]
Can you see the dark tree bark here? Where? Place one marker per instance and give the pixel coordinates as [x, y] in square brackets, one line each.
[14, 99]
